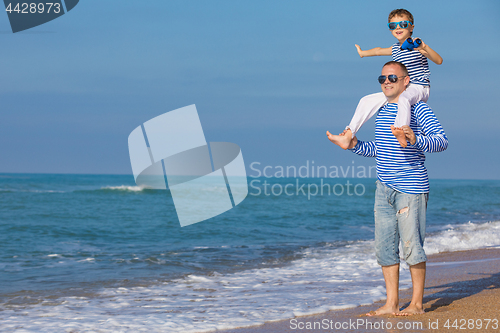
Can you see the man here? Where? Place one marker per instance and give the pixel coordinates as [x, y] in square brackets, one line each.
[402, 188]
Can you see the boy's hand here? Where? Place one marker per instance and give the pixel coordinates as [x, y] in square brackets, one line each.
[421, 47]
[377, 51]
[359, 50]
[429, 53]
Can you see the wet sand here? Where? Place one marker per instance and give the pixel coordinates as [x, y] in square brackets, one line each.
[462, 294]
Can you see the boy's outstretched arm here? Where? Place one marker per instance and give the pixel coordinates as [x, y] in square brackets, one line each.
[429, 53]
[377, 51]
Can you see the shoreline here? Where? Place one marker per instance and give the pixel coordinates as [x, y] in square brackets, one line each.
[462, 289]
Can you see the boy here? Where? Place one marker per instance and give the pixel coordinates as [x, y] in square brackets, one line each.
[401, 26]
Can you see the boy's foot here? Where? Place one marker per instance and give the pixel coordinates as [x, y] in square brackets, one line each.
[410, 311]
[342, 140]
[400, 135]
[386, 309]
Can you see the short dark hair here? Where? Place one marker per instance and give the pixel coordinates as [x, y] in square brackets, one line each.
[397, 63]
[401, 12]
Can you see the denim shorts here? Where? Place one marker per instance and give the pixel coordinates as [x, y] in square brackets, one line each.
[391, 225]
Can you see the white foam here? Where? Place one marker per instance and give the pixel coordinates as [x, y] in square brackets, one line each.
[462, 237]
[125, 188]
[87, 260]
[328, 278]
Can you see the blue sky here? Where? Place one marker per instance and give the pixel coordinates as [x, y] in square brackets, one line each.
[271, 76]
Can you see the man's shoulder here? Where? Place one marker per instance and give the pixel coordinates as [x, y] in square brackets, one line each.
[421, 107]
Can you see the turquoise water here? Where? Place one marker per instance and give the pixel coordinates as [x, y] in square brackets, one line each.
[129, 233]
[73, 235]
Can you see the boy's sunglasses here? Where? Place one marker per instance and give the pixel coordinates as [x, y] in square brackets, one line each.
[402, 25]
[392, 78]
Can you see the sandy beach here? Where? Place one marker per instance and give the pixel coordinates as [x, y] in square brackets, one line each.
[462, 293]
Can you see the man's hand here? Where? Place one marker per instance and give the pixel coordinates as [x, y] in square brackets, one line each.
[410, 136]
[354, 141]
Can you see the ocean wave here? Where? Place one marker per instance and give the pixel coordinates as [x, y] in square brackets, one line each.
[468, 236]
[127, 188]
[12, 190]
[325, 278]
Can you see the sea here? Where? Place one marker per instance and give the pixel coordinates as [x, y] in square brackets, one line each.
[96, 253]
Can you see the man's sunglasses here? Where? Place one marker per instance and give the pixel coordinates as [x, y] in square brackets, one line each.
[392, 78]
[402, 25]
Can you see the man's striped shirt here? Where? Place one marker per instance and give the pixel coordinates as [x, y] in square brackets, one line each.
[403, 168]
[415, 62]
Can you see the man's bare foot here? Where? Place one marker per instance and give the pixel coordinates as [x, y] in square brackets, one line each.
[386, 309]
[342, 140]
[410, 311]
[400, 135]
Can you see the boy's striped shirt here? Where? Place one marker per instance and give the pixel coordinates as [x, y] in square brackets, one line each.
[403, 168]
[415, 62]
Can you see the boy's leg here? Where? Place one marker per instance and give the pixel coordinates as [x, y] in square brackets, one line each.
[403, 117]
[366, 108]
[412, 95]
[342, 140]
